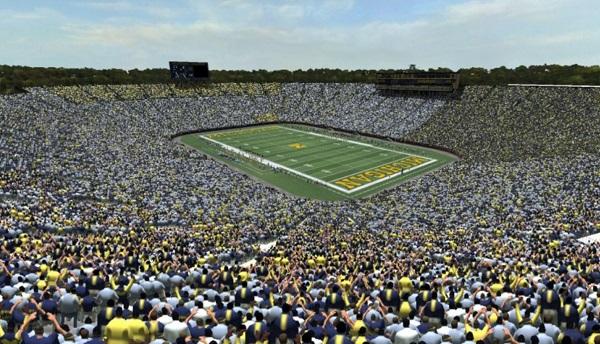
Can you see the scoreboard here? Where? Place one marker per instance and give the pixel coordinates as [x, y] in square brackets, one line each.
[413, 82]
[189, 71]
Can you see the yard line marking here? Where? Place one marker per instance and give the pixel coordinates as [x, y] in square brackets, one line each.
[320, 181]
[308, 165]
[274, 164]
[267, 152]
[326, 171]
[355, 142]
[254, 147]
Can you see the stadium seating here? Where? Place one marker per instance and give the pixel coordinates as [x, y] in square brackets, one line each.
[96, 93]
[105, 218]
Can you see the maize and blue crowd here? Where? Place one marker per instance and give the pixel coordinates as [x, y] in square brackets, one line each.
[112, 232]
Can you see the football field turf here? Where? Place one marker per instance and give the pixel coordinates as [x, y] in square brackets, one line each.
[331, 165]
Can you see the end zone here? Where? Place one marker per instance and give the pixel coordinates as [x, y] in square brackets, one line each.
[370, 177]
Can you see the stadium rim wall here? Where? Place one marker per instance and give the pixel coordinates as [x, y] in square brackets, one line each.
[326, 127]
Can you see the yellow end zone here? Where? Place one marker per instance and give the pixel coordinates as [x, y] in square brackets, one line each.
[372, 175]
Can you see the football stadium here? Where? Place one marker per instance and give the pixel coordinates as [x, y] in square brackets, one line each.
[190, 178]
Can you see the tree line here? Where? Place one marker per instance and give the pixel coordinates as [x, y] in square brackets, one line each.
[16, 78]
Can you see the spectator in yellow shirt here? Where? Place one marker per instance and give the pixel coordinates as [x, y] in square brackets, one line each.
[117, 330]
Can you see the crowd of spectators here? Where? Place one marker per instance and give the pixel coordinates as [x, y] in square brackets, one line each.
[112, 232]
[96, 93]
[511, 123]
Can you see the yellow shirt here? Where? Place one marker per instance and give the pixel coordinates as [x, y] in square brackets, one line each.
[477, 333]
[405, 284]
[153, 330]
[496, 288]
[137, 330]
[405, 309]
[117, 331]
[52, 277]
[321, 260]
[356, 327]
[360, 340]
[243, 276]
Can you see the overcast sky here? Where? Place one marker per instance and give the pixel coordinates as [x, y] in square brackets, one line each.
[347, 34]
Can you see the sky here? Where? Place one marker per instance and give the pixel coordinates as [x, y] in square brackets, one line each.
[303, 34]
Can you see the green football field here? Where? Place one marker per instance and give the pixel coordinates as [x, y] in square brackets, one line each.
[317, 163]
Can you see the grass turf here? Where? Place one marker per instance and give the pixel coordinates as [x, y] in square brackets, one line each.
[315, 163]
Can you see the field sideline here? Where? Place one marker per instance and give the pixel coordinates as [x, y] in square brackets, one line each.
[346, 167]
